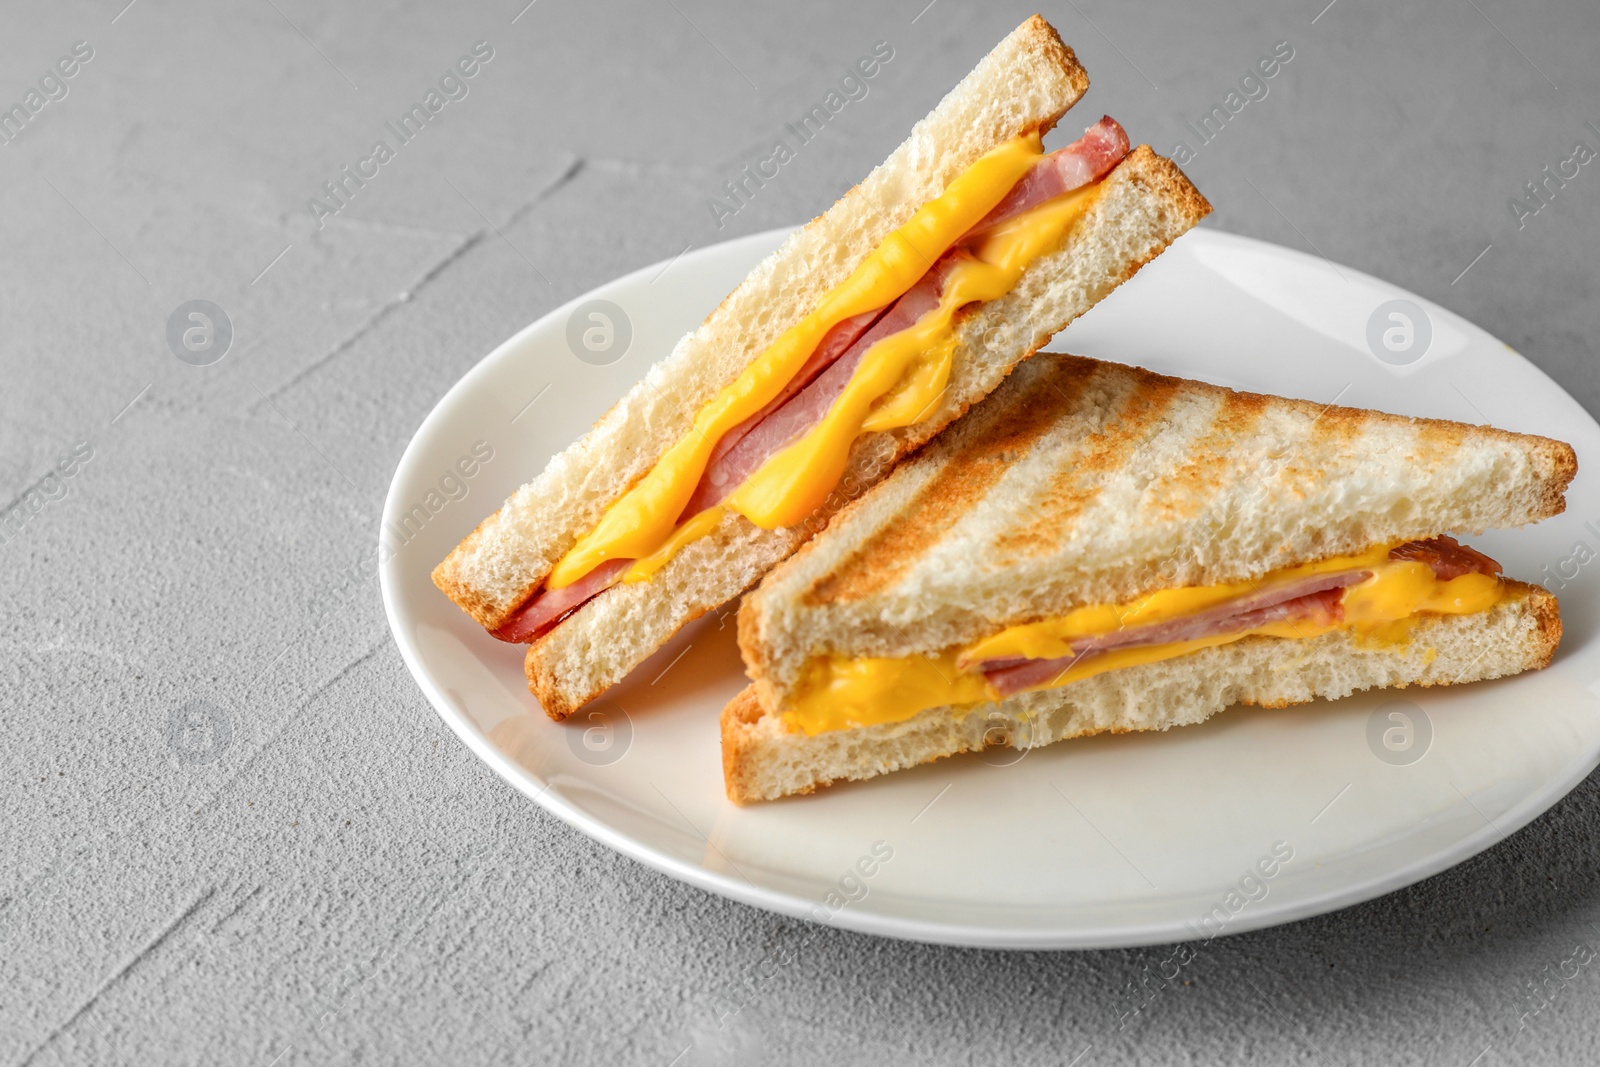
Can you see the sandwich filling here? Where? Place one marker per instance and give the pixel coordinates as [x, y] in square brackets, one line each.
[1374, 594]
[874, 355]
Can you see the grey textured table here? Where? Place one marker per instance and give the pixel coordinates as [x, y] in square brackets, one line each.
[234, 831]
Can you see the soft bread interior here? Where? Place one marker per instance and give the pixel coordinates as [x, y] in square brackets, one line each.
[1143, 205]
[763, 761]
[1027, 82]
[1083, 482]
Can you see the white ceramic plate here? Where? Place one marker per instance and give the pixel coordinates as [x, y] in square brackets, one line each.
[1109, 841]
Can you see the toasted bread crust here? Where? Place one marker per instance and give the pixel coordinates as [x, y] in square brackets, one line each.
[546, 688]
[1547, 611]
[1041, 38]
[474, 601]
[737, 751]
[555, 693]
[1168, 183]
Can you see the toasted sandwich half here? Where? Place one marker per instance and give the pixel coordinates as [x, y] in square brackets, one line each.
[858, 340]
[1099, 548]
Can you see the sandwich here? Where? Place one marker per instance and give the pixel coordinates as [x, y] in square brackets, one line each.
[864, 335]
[1099, 548]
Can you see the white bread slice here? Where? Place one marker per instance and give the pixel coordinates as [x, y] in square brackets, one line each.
[763, 761]
[1027, 82]
[1081, 481]
[1144, 204]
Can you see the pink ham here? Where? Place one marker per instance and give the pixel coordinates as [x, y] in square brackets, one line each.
[1448, 557]
[1220, 619]
[837, 341]
[1223, 617]
[1320, 606]
[547, 608]
[1313, 599]
[1085, 160]
[806, 408]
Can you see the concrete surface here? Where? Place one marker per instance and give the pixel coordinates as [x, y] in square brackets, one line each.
[233, 830]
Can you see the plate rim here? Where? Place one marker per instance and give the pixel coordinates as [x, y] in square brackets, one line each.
[927, 931]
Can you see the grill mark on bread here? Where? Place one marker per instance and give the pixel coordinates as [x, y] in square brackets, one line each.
[1332, 429]
[1181, 494]
[1238, 422]
[960, 484]
[1436, 443]
[1071, 490]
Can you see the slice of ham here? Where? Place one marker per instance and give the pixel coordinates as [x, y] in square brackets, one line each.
[1321, 607]
[1448, 557]
[806, 408]
[1317, 599]
[834, 344]
[1085, 160]
[549, 607]
[1219, 619]
[807, 397]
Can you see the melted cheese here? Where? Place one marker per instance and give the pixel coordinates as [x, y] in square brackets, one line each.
[1052, 638]
[838, 693]
[899, 379]
[696, 528]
